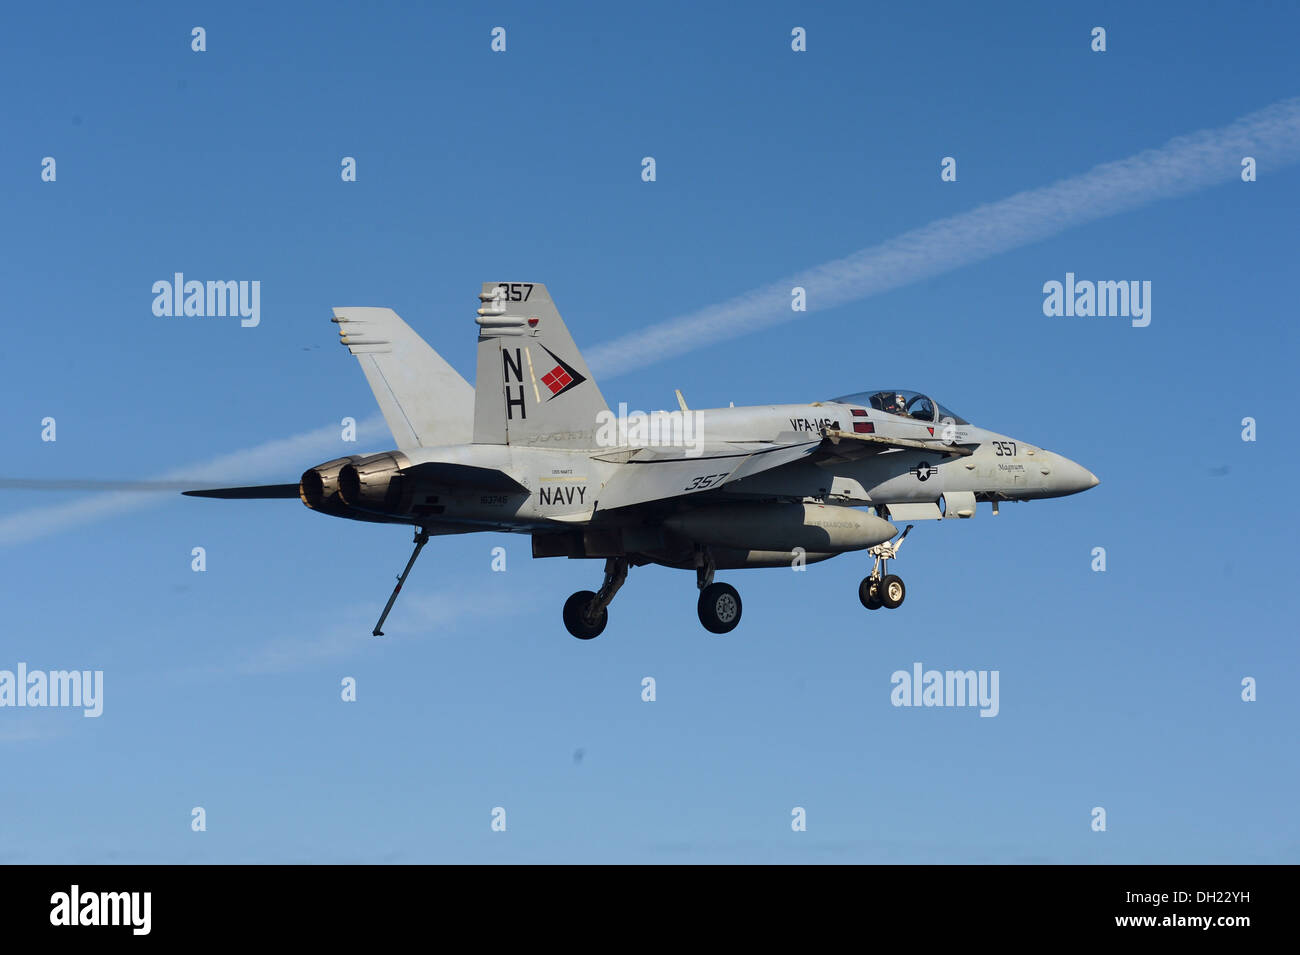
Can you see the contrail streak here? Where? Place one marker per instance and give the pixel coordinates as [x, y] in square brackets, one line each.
[1182, 165]
[78, 484]
[248, 464]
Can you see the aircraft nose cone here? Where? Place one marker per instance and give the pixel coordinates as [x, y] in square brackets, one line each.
[1070, 478]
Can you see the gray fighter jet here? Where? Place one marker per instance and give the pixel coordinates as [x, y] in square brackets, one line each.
[533, 449]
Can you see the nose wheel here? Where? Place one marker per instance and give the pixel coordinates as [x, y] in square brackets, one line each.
[868, 595]
[881, 588]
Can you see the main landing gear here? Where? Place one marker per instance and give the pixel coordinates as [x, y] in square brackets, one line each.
[881, 588]
[719, 605]
[585, 613]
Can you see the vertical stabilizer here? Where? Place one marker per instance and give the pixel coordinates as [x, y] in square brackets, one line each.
[533, 386]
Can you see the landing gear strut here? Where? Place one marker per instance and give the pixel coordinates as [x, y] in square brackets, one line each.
[421, 538]
[586, 613]
[719, 604]
[881, 588]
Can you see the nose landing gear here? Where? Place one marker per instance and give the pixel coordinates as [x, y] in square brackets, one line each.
[880, 588]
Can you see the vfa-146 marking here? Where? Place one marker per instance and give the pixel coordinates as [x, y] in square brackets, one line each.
[813, 424]
[527, 450]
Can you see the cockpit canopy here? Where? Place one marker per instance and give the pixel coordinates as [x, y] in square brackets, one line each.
[900, 402]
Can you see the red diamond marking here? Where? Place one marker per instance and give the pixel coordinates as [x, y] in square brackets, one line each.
[556, 379]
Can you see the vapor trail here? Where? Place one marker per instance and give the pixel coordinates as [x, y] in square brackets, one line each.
[1182, 165]
[249, 464]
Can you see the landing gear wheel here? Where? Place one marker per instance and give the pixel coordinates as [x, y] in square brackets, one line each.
[719, 608]
[868, 594]
[891, 591]
[575, 616]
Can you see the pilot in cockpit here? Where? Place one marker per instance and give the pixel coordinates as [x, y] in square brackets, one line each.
[895, 404]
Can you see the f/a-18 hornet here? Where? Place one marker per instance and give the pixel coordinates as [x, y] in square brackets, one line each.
[533, 449]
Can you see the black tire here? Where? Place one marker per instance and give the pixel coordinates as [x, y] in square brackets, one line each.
[891, 591]
[576, 623]
[867, 594]
[719, 608]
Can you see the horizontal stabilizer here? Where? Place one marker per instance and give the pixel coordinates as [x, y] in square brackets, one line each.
[259, 493]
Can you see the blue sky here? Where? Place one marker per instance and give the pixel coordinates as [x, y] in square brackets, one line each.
[1118, 689]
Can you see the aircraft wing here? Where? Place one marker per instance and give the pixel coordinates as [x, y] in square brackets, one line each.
[656, 474]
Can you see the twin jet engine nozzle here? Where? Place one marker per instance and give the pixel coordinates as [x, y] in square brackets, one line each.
[371, 483]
